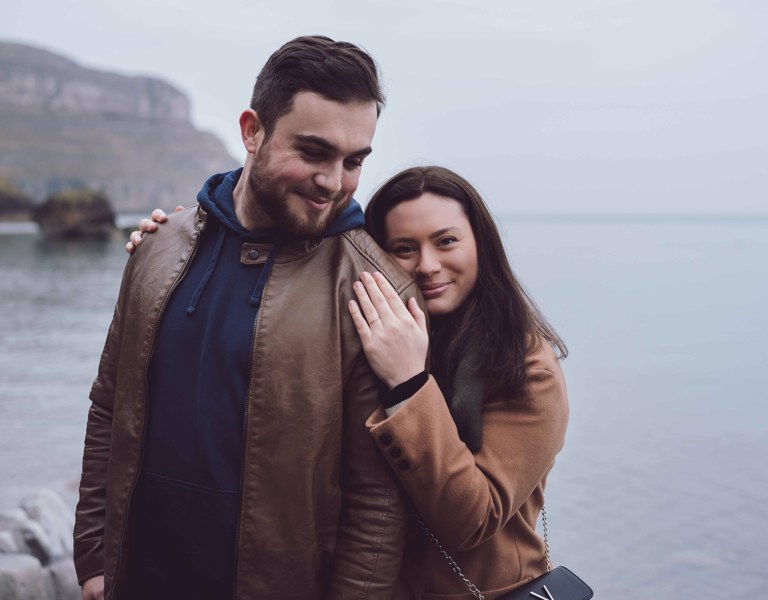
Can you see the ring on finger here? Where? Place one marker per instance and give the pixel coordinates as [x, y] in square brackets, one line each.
[376, 319]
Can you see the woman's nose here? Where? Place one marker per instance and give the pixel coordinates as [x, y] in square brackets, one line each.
[429, 264]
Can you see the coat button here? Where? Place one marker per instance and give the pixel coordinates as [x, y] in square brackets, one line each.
[404, 465]
[385, 439]
[253, 254]
[395, 452]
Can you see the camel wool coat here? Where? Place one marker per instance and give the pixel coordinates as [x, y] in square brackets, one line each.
[481, 507]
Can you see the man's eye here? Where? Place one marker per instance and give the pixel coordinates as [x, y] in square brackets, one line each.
[354, 163]
[314, 155]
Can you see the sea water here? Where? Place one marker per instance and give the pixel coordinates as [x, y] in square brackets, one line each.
[661, 490]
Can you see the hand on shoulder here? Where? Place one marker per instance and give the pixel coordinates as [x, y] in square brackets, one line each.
[147, 226]
[394, 337]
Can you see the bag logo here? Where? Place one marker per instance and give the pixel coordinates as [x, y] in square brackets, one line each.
[546, 591]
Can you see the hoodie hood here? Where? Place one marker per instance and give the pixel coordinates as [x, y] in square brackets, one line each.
[216, 198]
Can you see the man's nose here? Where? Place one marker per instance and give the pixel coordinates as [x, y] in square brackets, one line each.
[330, 177]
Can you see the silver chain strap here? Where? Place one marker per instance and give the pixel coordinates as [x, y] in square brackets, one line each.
[455, 568]
[452, 563]
[546, 535]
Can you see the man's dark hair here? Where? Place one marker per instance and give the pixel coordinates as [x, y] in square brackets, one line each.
[338, 71]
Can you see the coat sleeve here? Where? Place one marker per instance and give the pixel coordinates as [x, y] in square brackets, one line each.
[466, 498]
[91, 507]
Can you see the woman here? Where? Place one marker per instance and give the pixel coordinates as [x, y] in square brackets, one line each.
[473, 441]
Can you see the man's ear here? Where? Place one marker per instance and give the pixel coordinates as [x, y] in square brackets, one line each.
[251, 130]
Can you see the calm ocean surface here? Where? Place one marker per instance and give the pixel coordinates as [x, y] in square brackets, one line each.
[661, 490]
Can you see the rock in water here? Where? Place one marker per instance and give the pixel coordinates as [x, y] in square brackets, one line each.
[22, 578]
[76, 214]
[55, 517]
[64, 578]
[36, 550]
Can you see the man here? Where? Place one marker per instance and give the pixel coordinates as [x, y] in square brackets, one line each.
[226, 454]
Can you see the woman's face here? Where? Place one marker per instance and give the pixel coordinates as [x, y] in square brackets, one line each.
[431, 238]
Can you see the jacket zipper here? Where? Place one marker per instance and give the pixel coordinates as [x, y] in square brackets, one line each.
[243, 467]
[175, 283]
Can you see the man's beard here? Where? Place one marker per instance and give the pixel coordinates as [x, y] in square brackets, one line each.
[275, 205]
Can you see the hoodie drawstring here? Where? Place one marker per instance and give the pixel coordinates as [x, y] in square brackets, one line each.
[208, 272]
[262, 281]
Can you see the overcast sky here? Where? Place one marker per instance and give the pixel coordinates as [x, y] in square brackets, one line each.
[546, 106]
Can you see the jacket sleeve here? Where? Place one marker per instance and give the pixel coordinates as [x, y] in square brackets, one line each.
[91, 507]
[371, 530]
[373, 521]
[466, 498]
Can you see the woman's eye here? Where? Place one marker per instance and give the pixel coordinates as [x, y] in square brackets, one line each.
[446, 241]
[402, 250]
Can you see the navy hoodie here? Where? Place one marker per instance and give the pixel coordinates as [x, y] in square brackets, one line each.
[185, 510]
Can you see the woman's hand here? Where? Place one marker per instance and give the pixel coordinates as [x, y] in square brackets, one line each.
[147, 226]
[395, 338]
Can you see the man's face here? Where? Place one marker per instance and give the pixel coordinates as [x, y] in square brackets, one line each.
[306, 172]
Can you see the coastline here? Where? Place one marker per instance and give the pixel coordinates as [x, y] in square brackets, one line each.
[124, 222]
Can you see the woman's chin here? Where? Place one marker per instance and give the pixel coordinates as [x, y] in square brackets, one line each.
[438, 307]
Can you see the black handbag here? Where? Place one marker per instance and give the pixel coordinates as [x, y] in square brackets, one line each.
[559, 583]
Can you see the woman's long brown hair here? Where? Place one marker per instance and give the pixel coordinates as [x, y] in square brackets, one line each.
[498, 320]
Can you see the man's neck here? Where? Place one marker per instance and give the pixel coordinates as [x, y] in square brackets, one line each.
[247, 207]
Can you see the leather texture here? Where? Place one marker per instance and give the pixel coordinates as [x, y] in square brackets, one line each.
[321, 514]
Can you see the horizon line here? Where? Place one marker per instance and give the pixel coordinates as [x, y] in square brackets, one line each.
[633, 215]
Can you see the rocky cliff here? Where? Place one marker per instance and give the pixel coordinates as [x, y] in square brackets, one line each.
[63, 125]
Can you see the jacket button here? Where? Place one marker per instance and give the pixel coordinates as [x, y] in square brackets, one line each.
[253, 254]
[404, 465]
[385, 439]
[395, 452]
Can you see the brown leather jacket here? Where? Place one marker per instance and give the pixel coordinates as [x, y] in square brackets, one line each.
[321, 515]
